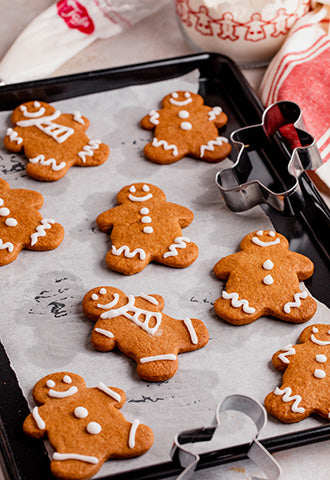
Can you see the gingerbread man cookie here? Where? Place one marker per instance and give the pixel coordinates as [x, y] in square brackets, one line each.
[306, 377]
[140, 329]
[185, 126]
[22, 225]
[83, 425]
[263, 279]
[146, 228]
[52, 141]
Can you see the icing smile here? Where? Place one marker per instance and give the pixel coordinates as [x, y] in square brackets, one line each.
[262, 243]
[180, 103]
[133, 198]
[316, 340]
[66, 393]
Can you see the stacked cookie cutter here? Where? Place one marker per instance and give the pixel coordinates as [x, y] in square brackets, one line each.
[188, 460]
[286, 149]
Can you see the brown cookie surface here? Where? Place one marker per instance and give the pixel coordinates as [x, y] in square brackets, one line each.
[185, 126]
[263, 279]
[22, 225]
[138, 327]
[145, 228]
[83, 425]
[52, 142]
[306, 377]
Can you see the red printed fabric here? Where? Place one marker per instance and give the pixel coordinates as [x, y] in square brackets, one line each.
[300, 72]
[75, 15]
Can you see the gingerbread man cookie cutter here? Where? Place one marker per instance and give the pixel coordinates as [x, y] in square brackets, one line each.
[282, 144]
[257, 452]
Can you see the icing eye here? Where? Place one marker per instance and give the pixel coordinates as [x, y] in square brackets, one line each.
[95, 297]
[328, 332]
[145, 188]
[187, 95]
[50, 383]
[315, 329]
[259, 233]
[102, 291]
[67, 379]
[36, 104]
[22, 108]
[271, 233]
[175, 95]
[132, 189]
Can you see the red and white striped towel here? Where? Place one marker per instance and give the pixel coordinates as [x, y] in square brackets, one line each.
[300, 72]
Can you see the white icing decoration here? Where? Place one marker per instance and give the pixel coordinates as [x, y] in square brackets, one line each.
[66, 393]
[286, 392]
[297, 296]
[95, 297]
[80, 412]
[94, 428]
[183, 114]
[288, 350]
[36, 104]
[191, 330]
[50, 383]
[165, 145]
[180, 242]
[133, 198]
[238, 303]
[4, 211]
[104, 332]
[214, 112]
[146, 188]
[180, 103]
[271, 233]
[144, 211]
[149, 298]
[268, 265]
[127, 252]
[315, 329]
[318, 373]
[75, 456]
[102, 291]
[154, 117]
[36, 114]
[187, 94]
[67, 379]
[148, 230]
[88, 150]
[259, 233]
[146, 219]
[155, 358]
[51, 161]
[132, 433]
[321, 358]
[59, 133]
[260, 243]
[185, 126]
[211, 143]
[8, 245]
[13, 136]
[40, 230]
[110, 304]
[137, 315]
[132, 189]
[1, 202]
[78, 118]
[39, 421]
[11, 222]
[268, 280]
[108, 391]
[318, 342]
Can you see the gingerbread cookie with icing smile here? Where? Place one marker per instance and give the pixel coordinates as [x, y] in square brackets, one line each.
[145, 228]
[83, 425]
[140, 329]
[52, 141]
[306, 377]
[22, 225]
[263, 279]
[185, 126]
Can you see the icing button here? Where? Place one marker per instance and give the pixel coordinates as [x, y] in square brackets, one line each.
[183, 114]
[268, 280]
[186, 126]
[93, 428]
[318, 373]
[321, 358]
[4, 211]
[148, 230]
[80, 412]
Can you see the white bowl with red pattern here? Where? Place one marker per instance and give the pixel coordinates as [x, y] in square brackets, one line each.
[248, 31]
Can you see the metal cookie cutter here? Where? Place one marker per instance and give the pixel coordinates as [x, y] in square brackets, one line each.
[256, 451]
[273, 155]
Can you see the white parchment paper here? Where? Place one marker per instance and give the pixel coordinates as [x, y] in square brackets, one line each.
[42, 325]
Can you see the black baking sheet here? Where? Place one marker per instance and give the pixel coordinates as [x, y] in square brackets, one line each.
[220, 82]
